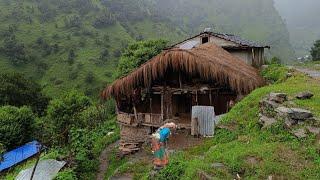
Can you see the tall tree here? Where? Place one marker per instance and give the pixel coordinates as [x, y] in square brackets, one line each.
[315, 51]
[16, 90]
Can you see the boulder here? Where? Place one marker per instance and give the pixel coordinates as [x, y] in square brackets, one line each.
[266, 121]
[294, 113]
[300, 133]
[300, 114]
[289, 123]
[217, 165]
[313, 130]
[278, 97]
[304, 95]
[268, 107]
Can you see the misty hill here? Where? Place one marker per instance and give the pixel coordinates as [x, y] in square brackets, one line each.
[77, 43]
[301, 19]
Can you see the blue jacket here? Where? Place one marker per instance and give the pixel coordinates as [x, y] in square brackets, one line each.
[164, 134]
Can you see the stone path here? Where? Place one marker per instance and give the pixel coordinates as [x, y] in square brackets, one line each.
[103, 160]
[312, 73]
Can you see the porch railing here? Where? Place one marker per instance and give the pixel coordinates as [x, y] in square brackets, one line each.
[147, 119]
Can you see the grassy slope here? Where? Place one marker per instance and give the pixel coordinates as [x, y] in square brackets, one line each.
[56, 78]
[278, 152]
[61, 76]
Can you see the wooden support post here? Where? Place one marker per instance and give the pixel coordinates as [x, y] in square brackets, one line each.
[210, 97]
[197, 97]
[135, 112]
[162, 110]
[180, 81]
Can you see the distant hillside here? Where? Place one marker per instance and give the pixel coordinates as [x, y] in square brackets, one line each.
[301, 18]
[75, 44]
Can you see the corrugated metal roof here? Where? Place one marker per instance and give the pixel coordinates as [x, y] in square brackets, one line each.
[46, 170]
[229, 37]
[237, 39]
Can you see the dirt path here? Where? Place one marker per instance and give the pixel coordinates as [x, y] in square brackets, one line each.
[312, 73]
[103, 160]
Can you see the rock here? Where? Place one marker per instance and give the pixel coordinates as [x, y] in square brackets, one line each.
[313, 130]
[300, 133]
[300, 114]
[304, 95]
[110, 133]
[266, 121]
[294, 113]
[253, 160]
[289, 123]
[289, 75]
[217, 165]
[268, 107]
[278, 97]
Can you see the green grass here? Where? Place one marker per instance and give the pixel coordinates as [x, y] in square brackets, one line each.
[276, 151]
[315, 65]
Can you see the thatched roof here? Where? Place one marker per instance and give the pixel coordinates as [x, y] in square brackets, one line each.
[209, 61]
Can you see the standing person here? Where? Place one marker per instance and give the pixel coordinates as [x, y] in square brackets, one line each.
[159, 140]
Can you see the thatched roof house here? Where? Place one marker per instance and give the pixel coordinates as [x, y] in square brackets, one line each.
[170, 84]
[208, 61]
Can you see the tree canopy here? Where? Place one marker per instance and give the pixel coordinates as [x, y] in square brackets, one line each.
[315, 51]
[16, 90]
[137, 54]
[15, 126]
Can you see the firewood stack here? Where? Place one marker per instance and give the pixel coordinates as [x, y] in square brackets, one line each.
[129, 148]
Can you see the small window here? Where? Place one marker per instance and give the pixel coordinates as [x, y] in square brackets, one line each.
[204, 40]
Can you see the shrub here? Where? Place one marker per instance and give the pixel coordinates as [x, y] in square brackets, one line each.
[90, 77]
[173, 171]
[315, 51]
[14, 50]
[16, 126]
[67, 174]
[16, 90]
[137, 54]
[275, 73]
[2, 150]
[63, 114]
[105, 20]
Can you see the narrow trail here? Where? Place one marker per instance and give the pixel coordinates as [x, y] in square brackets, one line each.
[103, 160]
[310, 72]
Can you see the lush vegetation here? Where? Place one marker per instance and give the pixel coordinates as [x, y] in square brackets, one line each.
[248, 150]
[76, 44]
[315, 51]
[17, 90]
[138, 53]
[74, 127]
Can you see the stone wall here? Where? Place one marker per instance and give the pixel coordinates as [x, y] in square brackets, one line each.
[131, 134]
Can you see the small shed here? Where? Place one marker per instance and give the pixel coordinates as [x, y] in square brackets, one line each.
[170, 84]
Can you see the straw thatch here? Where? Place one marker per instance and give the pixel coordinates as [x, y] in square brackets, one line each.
[209, 61]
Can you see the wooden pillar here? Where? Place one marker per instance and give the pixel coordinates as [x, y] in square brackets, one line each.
[197, 98]
[210, 97]
[162, 110]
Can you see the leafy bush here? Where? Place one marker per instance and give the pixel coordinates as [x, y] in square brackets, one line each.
[18, 91]
[173, 171]
[68, 174]
[16, 126]
[138, 53]
[105, 20]
[63, 114]
[14, 50]
[2, 150]
[315, 51]
[275, 73]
